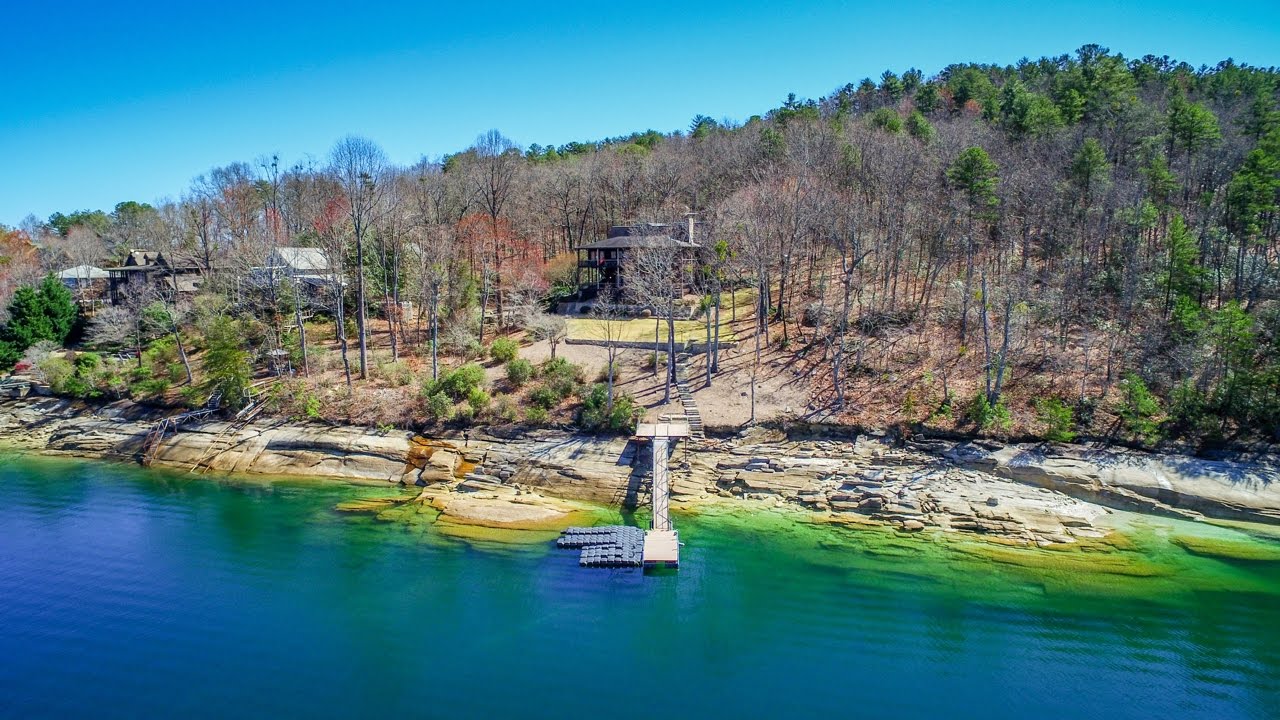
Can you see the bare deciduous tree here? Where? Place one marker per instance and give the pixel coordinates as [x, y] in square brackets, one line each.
[360, 167]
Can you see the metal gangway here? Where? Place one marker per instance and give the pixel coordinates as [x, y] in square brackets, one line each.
[661, 540]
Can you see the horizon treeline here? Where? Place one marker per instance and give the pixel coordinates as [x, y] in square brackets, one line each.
[1088, 229]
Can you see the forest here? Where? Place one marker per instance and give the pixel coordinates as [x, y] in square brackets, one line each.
[1079, 246]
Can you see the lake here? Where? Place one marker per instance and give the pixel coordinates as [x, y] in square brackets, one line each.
[130, 593]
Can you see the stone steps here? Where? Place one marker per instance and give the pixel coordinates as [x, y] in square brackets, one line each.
[696, 428]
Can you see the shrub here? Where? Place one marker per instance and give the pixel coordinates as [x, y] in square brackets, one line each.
[464, 414]
[596, 415]
[1058, 418]
[536, 415]
[397, 374]
[478, 399]
[562, 377]
[87, 377]
[504, 350]
[88, 362]
[439, 406]
[1139, 409]
[175, 371]
[56, 370]
[544, 397]
[192, 395]
[987, 416]
[504, 409]
[311, 406]
[110, 382]
[145, 384]
[654, 360]
[38, 352]
[604, 372]
[519, 371]
[457, 383]
[161, 350]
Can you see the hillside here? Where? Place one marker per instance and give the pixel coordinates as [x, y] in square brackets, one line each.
[1082, 244]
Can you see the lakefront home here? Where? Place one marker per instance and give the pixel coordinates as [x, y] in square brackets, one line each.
[144, 269]
[602, 264]
[89, 285]
[307, 266]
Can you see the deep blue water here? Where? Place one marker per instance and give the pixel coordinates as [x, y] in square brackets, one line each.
[127, 593]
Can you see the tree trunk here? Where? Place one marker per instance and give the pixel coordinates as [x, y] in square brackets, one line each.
[395, 316]
[707, 349]
[715, 345]
[657, 338]
[302, 330]
[435, 333]
[389, 310]
[182, 350]
[341, 321]
[612, 353]
[1004, 349]
[360, 314]
[986, 341]
[671, 353]
[968, 291]
[484, 298]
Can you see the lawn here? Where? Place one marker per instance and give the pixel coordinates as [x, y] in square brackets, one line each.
[641, 330]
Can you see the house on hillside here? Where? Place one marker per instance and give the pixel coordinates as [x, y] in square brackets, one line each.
[89, 285]
[148, 269]
[602, 264]
[307, 266]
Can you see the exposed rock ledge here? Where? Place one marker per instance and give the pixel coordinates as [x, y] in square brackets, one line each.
[1018, 494]
[1138, 481]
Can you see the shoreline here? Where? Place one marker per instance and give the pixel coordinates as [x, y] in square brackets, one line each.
[1148, 558]
[535, 482]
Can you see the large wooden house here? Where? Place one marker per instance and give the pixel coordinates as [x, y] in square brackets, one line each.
[89, 285]
[152, 270]
[307, 266]
[602, 264]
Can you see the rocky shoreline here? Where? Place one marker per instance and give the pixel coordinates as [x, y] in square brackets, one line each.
[1029, 495]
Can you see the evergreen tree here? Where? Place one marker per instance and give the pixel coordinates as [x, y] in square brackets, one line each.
[1192, 126]
[39, 313]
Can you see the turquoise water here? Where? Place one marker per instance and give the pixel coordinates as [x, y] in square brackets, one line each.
[128, 593]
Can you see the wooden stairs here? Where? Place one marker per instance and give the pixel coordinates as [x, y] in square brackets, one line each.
[691, 413]
[155, 437]
[227, 439]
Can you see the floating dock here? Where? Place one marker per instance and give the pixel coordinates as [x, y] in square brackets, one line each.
[661, 549]
[610, 546]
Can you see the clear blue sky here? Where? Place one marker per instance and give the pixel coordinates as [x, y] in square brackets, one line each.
[104, 102]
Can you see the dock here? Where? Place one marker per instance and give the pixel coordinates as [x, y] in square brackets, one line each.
[661, 549]
[661, 541]
[622, 546]
[610, 546]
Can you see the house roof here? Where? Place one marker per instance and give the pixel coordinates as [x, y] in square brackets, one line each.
[83, 272]
[301, 259]
[637, 241]
[140, 258]
[183, 283]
